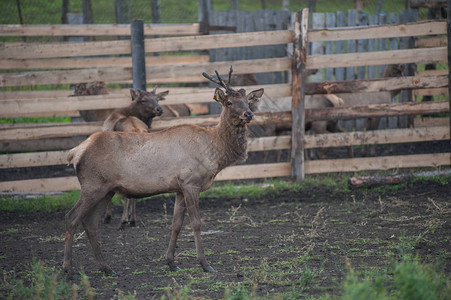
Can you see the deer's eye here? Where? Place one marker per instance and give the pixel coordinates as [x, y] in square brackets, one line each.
[228, 103]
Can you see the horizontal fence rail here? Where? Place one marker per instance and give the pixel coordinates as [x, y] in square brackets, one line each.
[96, 30]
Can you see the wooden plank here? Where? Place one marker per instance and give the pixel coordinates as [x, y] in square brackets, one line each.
[54, 106]
[232, 40]
[267, 143]
[430, 41]
[419, 56]
[385, 31]
[261, 171]
[378, 163]
[430, 122]
[155, 73]
[340, 45]
[317, 48]
[392, 136]
[41, 144]
[431, 72]
[329, 49]
[58, 184]
[63, 49]
[187, 43]
[431, 92]
[428, 3]
[98, 62]
[96, 30]
[39, 131]
[377, 110]
[377, 85]
[20, 160]
[299, 79]
[49, 131]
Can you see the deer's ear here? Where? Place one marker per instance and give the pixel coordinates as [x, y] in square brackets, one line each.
[135, 94]
[255, 96]
[219, 96]
[162, 95]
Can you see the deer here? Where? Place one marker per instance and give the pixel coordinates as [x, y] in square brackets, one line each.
[183, 159]
[100, 88]
[137, 117]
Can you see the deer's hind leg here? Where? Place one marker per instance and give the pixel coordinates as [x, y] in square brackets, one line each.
[177, 223]
[90, 224]
[84, 206]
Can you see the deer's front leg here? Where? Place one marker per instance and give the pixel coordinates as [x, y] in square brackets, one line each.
[177, 222]
[192, 203]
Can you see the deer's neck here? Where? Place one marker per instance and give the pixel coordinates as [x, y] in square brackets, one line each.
[134, 110]
[230, 142]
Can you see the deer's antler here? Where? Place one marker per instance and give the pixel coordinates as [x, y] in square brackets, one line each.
[219, 81]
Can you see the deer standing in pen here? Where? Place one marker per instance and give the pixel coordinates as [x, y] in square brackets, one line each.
[183, 159]
[137, 117]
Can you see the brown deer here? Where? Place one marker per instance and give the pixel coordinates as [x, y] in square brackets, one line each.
[100, 88]
[183, 159]
[137, 117]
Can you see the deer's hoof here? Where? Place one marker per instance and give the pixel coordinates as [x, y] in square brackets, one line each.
[209, 269]
[108, 271]
[107, 219]
[132, 223]
[172, 266]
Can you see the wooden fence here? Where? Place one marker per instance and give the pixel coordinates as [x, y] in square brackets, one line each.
[70, 63]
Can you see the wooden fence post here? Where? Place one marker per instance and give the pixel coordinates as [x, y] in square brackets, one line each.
[138, 55]
[298, 94]
[448, 29]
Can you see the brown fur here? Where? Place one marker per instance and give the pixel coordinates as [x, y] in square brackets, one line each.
[136, 117]
[184, 159]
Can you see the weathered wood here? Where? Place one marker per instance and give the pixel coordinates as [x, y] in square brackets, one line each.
[419, 56]
[377, 110]
[431, 41]
[430, 92]
[54, 130]
[448, 29]
[317, 48]
[298, 95]
[372, 181]
[393, 136]
[329, 49]
[428, 3]
[155, 73]
[185, 43]
[340, 45]
[97, 62]
[41, 144]
[97, 30]
[385, 31]
[260, 171]
[57, 105]
[378, 163]
[430, 122]
[377, 85]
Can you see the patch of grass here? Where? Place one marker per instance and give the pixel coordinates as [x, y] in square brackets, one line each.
[48, 203]
[36, 120]
[43, 282]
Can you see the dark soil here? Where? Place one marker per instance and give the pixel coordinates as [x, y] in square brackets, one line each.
[295, 241]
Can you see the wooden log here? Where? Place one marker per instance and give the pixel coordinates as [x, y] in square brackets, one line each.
[377, 85]
[377, 110]
[430, 122]
[41, 144]
[372, 181]
[97, 30]
[428, 3]
[298, 95]
[431, 92]
[419, 56]
[428, 27]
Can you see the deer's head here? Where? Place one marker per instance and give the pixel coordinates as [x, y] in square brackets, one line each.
[147, 102]
[235, 103]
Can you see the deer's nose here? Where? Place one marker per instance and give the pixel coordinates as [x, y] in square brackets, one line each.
[248, 116]
[159, 110]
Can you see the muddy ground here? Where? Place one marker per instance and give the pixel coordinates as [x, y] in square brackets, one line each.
[294, 243]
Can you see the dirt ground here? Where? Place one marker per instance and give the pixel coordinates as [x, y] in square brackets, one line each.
[295, 242]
